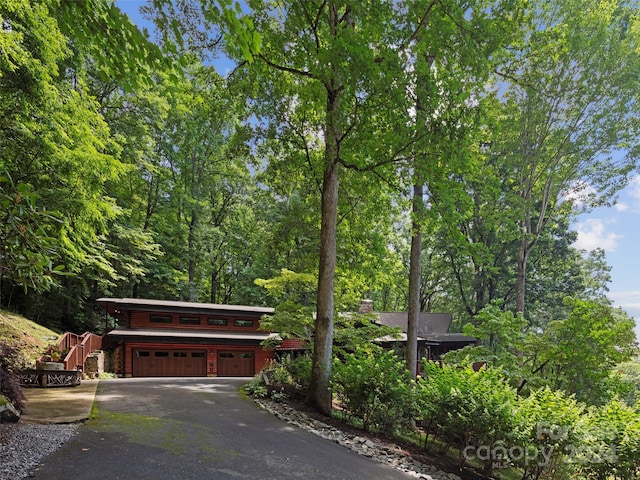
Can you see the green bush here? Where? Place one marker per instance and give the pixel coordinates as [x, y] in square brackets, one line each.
[610, 447]
[256, 387]
[10, 363]
[472, 411]
[375, 387]
[300, 370]
[550, 429]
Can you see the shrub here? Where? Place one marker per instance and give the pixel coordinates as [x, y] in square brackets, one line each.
[10, 364]
[375, 387]
[256, 387]
[550, 431]
[300, 370]
[610, 447]
[473, 411]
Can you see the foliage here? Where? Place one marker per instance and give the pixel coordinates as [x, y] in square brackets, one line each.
[374, 387]
[577, 354]
[256, 387]
[11, 362]
[501, 341]
[27, 251]
[290, 287]
[624, 381]
[610, 447]
[467, 409]
[550, 430]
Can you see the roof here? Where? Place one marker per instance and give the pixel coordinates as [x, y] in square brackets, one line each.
[428, 323]
[115, 305]
[434, 339]
[171, 333]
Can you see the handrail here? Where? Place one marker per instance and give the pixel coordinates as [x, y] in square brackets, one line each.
[78, 347]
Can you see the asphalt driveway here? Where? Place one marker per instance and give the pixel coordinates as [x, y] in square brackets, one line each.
[176, 428]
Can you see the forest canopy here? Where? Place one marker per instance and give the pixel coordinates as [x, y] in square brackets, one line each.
[426, 155]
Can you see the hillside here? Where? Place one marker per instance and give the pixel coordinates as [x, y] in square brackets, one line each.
[30, 337]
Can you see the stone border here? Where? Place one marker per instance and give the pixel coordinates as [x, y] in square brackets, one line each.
[361, 445]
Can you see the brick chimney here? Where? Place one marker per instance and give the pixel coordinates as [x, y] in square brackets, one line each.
[366, 306]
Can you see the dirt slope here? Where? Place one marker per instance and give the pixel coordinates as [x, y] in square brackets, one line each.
[31, 338]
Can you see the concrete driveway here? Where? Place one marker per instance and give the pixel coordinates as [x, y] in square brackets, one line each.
[176, 428]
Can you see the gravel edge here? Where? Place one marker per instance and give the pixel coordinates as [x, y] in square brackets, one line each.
[24, 444]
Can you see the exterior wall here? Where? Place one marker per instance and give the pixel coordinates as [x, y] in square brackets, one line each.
[238, 354]
[262, 357]
[186, 321]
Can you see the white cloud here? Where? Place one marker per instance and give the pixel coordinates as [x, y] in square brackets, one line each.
[629, 301]
[580, 192]
[621, 207]
[634, 190]
[592, 234]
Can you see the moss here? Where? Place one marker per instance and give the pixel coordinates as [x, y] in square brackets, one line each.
[172, 436]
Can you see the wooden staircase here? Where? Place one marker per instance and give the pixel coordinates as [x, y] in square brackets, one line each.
[79, 348]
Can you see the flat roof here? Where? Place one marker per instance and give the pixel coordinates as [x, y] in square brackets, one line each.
[145, 303]
[434, 338]
[171, 333]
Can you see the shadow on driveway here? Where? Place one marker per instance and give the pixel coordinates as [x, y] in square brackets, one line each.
[196, 428]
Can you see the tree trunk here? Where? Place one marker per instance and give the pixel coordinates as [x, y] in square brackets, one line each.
[214, 283]
[414, 282]
[192, 257]
[319, 393]
[521, 274]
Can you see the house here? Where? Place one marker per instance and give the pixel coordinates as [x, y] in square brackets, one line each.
[159, 338]
[433, 334]
[184, 339]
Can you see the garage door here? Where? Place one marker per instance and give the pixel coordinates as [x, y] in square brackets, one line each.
[169, 363]
[236, 364]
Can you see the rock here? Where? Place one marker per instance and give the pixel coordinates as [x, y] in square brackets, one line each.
[359, 444]
[8, 413]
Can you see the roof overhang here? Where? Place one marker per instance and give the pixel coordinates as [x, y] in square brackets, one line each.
[117, 306]
[435, 339]
[155, 334]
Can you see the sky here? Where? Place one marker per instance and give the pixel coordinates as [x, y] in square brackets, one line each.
[615, 229]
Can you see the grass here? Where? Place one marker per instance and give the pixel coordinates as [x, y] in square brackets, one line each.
[32, 339]
[172, 436]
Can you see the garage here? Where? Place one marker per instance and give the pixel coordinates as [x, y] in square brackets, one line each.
[169, 363]
[236, 364]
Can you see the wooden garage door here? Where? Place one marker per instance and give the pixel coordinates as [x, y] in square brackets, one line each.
[236, 364]
[169, 363]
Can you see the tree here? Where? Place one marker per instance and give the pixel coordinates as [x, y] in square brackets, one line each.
[324, 60]
[55, 142]
[569, 103]
[578, 354]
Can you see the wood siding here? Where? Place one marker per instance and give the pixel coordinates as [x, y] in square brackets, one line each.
[178, 360]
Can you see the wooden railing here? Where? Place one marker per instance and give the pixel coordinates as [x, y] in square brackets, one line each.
[49, 378]
[79, 348]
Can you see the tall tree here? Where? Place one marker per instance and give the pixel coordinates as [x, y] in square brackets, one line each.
[570, 103]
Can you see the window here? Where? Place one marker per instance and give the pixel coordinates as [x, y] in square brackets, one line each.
[161, 354]
[159, 319]
[226, 355]
[245, 355]
[243, 323]
[220, 322]
[143, 354]
[180, 354]
[189, 321]
[198, 355]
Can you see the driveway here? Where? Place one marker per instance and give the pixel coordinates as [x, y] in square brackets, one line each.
[176, 428]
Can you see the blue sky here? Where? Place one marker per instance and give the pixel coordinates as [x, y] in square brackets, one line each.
[615, 229]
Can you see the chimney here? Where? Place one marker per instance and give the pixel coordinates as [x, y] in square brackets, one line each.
[366, 306]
